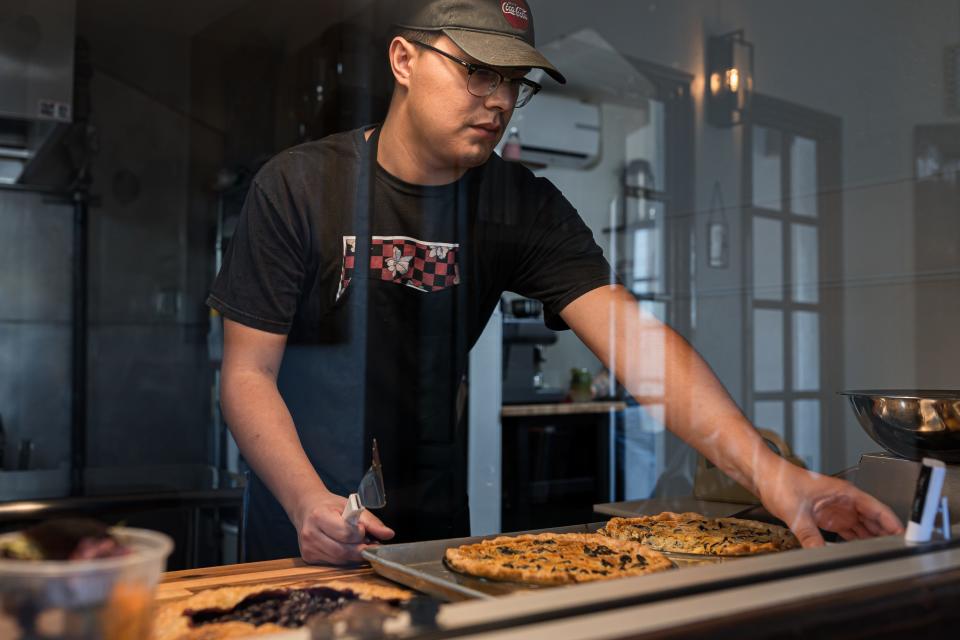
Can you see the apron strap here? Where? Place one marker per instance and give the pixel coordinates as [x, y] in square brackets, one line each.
[360, 282]
[363, 214]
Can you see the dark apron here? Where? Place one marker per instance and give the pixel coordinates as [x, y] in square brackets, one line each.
[393, 372]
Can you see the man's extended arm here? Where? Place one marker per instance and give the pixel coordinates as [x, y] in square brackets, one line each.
[263, 428]
[647, 357]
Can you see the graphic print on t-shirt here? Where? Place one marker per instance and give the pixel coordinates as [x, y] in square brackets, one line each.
[424, 266]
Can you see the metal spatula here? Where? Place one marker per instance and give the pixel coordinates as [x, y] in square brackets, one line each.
[370, 494]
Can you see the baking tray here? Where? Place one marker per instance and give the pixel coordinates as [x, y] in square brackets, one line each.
[420, 566]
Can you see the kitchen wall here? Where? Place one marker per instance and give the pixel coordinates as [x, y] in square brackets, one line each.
[36, 248]
[149, 381]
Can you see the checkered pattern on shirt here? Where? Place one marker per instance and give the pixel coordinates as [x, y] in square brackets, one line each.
[422, 265]
[346, 268]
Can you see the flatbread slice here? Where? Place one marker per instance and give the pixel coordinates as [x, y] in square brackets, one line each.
[555, 558]
[239, 612]
[697, 534]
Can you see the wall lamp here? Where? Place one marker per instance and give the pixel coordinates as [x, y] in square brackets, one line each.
[729, 78]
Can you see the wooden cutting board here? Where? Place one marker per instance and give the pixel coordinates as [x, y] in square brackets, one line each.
[175, 585]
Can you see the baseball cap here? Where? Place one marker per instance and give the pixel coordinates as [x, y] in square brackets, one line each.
[495, 32]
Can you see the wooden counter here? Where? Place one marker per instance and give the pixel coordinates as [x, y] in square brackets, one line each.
[679, 504]
[560, 409]
[183, 584]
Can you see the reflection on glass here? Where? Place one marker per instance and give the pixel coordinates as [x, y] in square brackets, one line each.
[768, 350]
[657, 309]
[643, 449]
[648, 360]
[805, 253]
[767, 259]
[647, 257]
[766, 168]
[803, 177]
[768, 414]
[650, 142]
[806, 351]
[806, 432]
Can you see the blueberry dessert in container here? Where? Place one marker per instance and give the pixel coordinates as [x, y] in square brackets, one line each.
[78, 578]
[63, 539]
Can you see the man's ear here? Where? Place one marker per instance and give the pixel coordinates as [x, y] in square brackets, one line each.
[403, 56]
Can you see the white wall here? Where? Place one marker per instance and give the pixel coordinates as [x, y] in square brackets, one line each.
[877, 64]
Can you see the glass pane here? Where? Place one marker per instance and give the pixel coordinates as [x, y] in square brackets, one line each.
[767, 259]
[657, 309]
[658, 120]
[649, 142]
[643, 449]
[646, 254]
[769, 415]
[639, 208]
[806, 432]
[806, 351]
[804, 241]
[766, 168]
[803, 177]
[768, 350]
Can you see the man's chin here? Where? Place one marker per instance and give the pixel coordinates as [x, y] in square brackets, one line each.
[475, 157]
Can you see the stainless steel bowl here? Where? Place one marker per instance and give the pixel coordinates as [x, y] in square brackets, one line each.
[911, 423]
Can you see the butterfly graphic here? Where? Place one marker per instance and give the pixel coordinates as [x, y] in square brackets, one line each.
[398, 264]
[439, 252]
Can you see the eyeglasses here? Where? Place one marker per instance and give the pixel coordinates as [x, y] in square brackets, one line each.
[484, 81]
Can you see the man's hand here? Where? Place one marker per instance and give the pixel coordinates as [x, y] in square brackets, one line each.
[808, 501]
[325, 537]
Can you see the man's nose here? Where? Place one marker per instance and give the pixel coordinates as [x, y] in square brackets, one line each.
[504, 98]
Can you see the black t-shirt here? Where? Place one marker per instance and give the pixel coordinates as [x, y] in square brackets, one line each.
[285, 266]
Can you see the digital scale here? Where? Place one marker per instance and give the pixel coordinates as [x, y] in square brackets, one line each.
[894, 481]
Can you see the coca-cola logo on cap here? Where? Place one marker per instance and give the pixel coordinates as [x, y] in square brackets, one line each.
[516, 13]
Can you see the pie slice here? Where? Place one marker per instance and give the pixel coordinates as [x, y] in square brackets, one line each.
[698, 534]
[555, 558]
[238, 612]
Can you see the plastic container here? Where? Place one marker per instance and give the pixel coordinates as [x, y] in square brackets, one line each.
[109, 598]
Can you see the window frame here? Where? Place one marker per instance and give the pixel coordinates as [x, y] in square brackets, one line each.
[793, 121]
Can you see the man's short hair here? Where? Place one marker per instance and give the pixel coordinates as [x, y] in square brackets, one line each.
[417, 35]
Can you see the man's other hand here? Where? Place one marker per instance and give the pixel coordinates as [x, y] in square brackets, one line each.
[326, 538]
[808, 501]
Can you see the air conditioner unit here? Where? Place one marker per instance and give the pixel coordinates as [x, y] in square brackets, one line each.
[557, 132]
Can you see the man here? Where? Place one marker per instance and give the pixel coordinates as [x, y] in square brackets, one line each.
[367, 264]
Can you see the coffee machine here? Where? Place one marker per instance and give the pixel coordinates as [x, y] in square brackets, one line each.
[524, 337]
